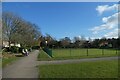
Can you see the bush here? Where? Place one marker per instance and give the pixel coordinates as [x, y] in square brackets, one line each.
[30, 49]
[14, 49]
[36, 47]
[6, 49]
[20, 49]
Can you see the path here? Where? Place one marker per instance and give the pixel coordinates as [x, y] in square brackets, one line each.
[75, 60]
[23, 68]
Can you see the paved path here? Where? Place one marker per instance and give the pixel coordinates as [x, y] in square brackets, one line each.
[23, 68]
[75, 60]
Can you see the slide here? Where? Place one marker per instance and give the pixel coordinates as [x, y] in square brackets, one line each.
[48, 51]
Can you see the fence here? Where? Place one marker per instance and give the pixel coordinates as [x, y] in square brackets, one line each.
[83, 52]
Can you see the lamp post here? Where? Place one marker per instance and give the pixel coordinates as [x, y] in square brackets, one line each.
[46, 43]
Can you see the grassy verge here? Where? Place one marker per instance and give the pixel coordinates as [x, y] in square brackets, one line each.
[59, 54]
[96, 69]
[8, 59]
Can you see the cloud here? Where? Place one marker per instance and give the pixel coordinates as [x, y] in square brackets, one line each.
[109, 22]
[112, 34]
[111, 19]
[104, 8]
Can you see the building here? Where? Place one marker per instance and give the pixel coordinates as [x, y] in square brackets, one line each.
[6, 44]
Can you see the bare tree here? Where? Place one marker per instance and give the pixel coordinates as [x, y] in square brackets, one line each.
[28, 34]
[10, 23]
[76, 39]
[65, 42]
[17, 30]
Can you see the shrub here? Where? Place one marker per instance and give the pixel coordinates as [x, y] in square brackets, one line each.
[14, 49]
[6, 49]
[36, 47]
[20, 49]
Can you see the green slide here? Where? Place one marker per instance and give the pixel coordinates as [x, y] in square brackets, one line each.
[48, 51]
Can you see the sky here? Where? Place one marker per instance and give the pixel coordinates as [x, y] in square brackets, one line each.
[69, 19]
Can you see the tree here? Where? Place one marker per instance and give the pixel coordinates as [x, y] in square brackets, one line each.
[76, 42]
[65, 42]
[51, 42]
[10, 23]
[76, 39]
[95, 43]
[17, 30]
[89, 39]
[31, 34]
[83, 38]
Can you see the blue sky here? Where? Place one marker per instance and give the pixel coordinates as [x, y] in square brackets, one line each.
[62, 19]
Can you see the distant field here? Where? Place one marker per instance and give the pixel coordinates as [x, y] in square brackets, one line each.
[77, 53]
[95, 69]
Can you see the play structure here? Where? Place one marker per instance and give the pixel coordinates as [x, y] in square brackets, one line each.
[48, 51]
[44, 47]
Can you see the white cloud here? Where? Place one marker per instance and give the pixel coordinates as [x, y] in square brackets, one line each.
[92, 38]
[108, 23]
[104, 8]
[112, 34]
[113, 18]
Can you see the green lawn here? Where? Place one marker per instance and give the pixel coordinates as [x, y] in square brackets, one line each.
[95, 69]
[76, 53]
[8, 59]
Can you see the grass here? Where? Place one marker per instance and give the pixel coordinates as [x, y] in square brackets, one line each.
[76, 54]
[8, 59]
[95, 69]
